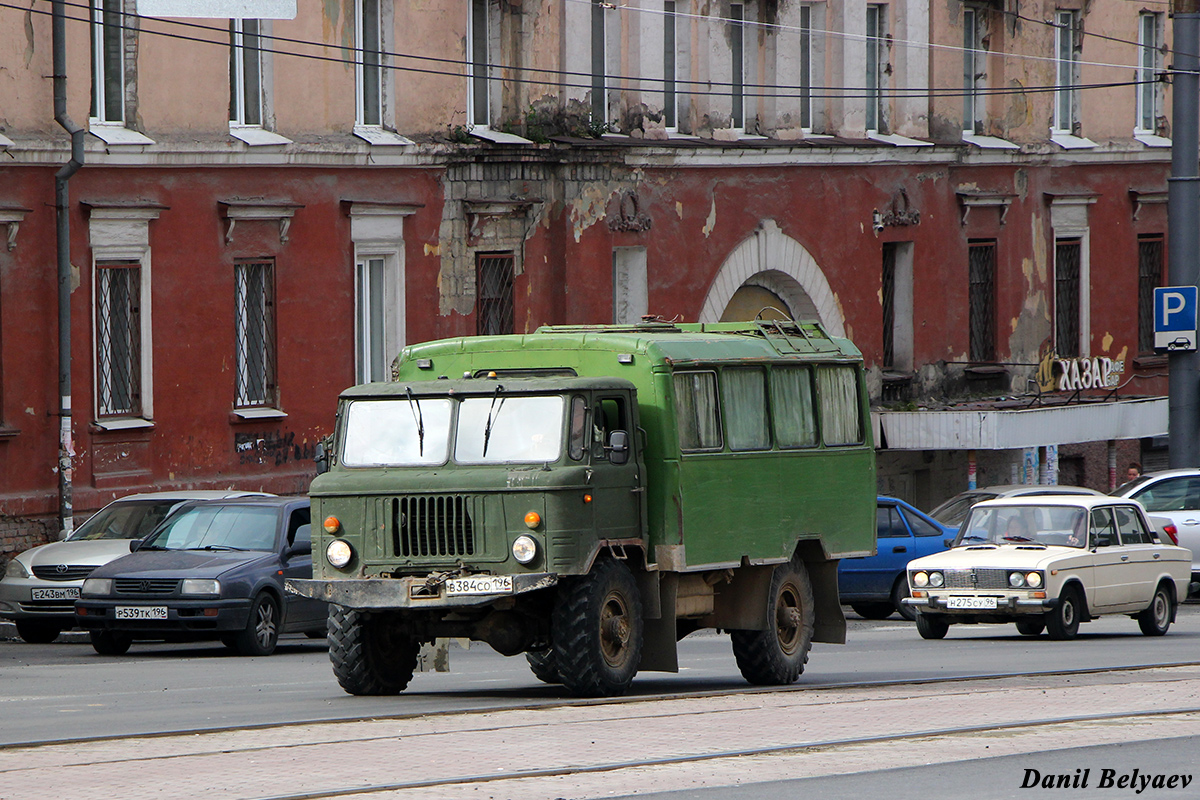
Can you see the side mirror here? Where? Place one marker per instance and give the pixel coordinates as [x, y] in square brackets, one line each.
[134, 544]
[618, 447]
[948, 542]
[321, 458]
[302, 549]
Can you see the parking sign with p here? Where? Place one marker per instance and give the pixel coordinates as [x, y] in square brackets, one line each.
[1175, 318]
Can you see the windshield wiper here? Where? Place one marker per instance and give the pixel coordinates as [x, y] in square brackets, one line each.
[487, 428]
[972, 539]
[217, 547]
[1017, 539]
[415, 406]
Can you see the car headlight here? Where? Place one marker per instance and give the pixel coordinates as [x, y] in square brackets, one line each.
[920, 579]
[1016, 580]
[1033, 579]
[339, 552]
[195, 586]
[97, 586]
[15, 569]
[524, 549]
[936, 580]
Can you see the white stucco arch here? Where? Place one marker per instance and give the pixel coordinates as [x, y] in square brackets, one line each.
[775, 261]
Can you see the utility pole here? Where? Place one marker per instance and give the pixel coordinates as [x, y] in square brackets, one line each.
[1183, 221]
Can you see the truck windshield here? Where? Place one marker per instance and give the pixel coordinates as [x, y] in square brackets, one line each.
[509, 429]
[386, 433]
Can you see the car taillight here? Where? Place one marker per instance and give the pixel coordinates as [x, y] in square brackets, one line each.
[1170, 530]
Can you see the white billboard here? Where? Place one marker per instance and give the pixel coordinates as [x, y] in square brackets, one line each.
[219, 9]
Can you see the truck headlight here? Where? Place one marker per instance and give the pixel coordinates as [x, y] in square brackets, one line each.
[200, 586]
[339, 552]
[97, 586]
[524, 549]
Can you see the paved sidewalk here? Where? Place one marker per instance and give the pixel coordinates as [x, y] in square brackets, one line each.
[484, 754]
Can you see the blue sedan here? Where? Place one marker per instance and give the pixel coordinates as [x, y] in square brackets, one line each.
[874, 586]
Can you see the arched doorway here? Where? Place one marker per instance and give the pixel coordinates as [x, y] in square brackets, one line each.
[771, 266]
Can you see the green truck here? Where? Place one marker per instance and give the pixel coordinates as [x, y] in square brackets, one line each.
[589, 495]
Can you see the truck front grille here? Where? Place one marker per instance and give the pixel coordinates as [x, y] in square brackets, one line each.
[976, 578]
[433, 526]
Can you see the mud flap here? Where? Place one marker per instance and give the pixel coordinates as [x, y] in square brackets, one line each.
[830, 624]
[659, 653]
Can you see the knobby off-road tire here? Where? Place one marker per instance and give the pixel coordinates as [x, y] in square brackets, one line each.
[369, 656]
[543, 665]
[873, 610]
[1062, 621]
[596, 628]
[110, 643]
[932, 626]
[776, 656]
[1156, 619]
[1031, 627]
[261, 635]
[37, 632]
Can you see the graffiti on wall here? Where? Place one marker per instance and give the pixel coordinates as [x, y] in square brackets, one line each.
[279, 447]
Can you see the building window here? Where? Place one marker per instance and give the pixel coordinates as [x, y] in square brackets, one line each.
[737, 66]
[1150, 277]
[974, 66]
[1067, 292]
[599, 68]
[1148, 69]
[370, 280]
[481, 66]
[982, 300]
[367, 60]
[245, 72]
[670, 109]
[119, 338]
[1067, 37]
[108, 62]
[889, 304]
[806, 67]
[494, 306]
[876, 66]
[255, 333]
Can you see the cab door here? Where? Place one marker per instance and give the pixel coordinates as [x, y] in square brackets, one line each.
[303, 613]
[618, 495]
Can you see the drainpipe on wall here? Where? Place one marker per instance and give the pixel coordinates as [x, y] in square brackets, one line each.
[66, 448]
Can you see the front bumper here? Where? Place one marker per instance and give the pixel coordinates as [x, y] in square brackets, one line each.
[409, 592]
[16, 600]
[1005, 604]
[187, 617]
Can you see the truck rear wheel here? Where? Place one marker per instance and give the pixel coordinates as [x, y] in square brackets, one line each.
[596, 628]
[543, 665]
[370, 657]
[776, 656]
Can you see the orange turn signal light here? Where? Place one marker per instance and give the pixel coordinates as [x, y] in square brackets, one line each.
[587, 498]
[532, 520]
[332, 524]
[918, 593]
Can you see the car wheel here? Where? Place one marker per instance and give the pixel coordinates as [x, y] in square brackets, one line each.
[262, 629]
[596, 628]
[543, 665]
[111, 643]
[899, 593]
[1030, 627]
[776, 656]
[371, 655]
[873, 610]
[37, 632]
[1156, 619]
[1062, 621]
[931, 626]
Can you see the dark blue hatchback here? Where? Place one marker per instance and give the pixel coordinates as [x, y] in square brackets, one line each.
[211, 570]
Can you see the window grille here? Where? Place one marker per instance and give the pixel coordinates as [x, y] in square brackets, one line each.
[494, 287]
[889, 304]
[982, 301]
[255, 335]
[1150, 270]
[119, 339]
[1066, 297]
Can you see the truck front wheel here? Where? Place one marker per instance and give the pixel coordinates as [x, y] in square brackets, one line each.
[370, 657]
[776, 656]
[597, 631]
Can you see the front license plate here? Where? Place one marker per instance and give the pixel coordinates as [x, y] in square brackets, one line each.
[141, 612]
[480, 584]
[971, 602]
[65, 593]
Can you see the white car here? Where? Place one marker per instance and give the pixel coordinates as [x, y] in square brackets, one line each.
[1050, 563]
[40, 586]
[1173, 496]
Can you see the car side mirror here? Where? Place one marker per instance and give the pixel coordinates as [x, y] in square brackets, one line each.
[302, 549]
[321, 458]
[135, 544]
[618, 447]
[947, 542]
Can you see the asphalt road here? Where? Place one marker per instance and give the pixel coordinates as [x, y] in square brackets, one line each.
[66, 691]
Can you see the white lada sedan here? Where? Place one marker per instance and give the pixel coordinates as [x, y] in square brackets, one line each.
[1049, 563]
